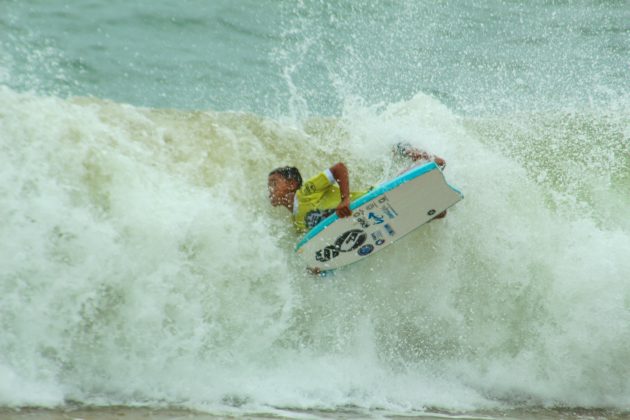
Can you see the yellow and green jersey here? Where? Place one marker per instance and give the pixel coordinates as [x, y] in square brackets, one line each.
[317, 199]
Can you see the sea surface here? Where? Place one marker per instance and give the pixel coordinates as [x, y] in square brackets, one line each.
[142, 269]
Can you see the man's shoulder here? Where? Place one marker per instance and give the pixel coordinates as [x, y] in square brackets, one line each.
[317, 183]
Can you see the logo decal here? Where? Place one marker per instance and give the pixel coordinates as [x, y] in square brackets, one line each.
[377, 219]
[389, 210]
[309, 188]
[378, 238]
[346, 242]
[313, 217]
[350, 240]
[366, 249]
[326, 254]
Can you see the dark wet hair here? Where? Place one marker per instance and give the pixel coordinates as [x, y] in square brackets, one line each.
[289, 173]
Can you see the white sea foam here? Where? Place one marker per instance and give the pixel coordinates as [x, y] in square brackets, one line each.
[140, 264]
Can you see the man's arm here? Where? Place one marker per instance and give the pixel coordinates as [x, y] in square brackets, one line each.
[417, 154]
[406, 149]
[340, 173]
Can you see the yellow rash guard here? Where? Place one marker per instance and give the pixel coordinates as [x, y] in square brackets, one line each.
[317, 199]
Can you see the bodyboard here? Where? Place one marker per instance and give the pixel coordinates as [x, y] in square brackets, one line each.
[379, 218]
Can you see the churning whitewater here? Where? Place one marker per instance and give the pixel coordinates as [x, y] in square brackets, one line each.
[142, 265]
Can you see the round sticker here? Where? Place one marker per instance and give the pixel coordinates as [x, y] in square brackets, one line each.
[366, 249]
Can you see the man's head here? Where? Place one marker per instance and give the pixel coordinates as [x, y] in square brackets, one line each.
[282, 184]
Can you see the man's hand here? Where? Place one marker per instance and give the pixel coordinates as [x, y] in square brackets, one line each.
[343, 209]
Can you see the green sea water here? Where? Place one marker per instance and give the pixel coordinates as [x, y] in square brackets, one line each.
[265, 56]
[141, 264]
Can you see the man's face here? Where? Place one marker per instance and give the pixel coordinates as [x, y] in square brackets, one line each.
[279, 189]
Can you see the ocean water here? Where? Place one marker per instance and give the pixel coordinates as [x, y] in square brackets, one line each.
[141, 264]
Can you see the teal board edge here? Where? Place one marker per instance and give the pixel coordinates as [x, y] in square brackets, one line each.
[381, 189]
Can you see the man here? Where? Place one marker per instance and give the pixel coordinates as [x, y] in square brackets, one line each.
[317, 198]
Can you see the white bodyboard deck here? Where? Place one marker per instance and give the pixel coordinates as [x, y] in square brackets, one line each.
[379, 218]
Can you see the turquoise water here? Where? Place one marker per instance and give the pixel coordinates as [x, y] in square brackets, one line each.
[141, 264]
[268, 56]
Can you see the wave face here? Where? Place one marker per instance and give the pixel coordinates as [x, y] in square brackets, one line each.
[142, 265]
